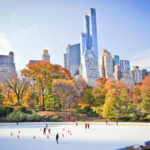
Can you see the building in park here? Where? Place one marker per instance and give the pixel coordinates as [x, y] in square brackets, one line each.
[72, 59]
[7, 67]
[136, 75]
[45, 57]
[89, 49]
[106, 64]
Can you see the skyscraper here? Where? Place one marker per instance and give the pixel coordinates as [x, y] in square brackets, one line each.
[89, 38]
[93, 30]
[72, 59]
[116, 60]
[106, 64]
[45, 56]
[89, 49]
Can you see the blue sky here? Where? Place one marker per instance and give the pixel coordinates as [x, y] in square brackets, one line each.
[29, 26]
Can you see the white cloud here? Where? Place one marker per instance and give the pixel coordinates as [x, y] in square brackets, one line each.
[141, 59]
[4, 42]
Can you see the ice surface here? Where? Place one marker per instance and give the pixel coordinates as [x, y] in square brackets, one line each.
[99, 137]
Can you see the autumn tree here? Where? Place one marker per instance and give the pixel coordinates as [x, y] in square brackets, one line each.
[1, 96]
[145, 84]
[145, 104]
[81, 86]
[66, 91]
[42, 72]
[137, 95]
[18, 85]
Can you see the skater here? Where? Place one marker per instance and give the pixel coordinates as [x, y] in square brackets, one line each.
[57, 137]
[17, 122]
[76, 124]
[88, 125]
[46, 125]
[117, 123]
[44, 131]
[49, 130]
[85, 125]
[106, 122]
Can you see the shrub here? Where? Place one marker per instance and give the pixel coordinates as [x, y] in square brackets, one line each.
[92, 113]
[55, 119]
[16, 116]
[33, 117]
[20, 116]
[25, 110]
[85, 110]
[4, 111]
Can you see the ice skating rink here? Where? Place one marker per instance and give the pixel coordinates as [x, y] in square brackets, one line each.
[29, 136]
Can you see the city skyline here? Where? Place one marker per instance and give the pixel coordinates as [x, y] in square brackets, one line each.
[29, 27]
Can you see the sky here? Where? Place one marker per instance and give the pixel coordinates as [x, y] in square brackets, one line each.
[29, 26]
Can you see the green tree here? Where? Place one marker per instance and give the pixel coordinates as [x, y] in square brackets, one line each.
[52, 101]
[89, 98]
[145, 104]
[112, 104]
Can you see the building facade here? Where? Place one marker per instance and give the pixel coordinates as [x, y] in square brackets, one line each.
[90, 71]
[106, 64]
[72, 59]
[136, 75]
[125, 64]
[45, 56]
[7, 67]
[144, 73]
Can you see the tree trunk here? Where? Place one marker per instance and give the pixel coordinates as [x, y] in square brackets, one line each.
[43, 103]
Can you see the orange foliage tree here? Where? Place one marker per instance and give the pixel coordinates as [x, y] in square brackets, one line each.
[42, 72]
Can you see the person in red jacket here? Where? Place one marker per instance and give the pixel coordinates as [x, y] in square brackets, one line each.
[85, 125]
[88, 125]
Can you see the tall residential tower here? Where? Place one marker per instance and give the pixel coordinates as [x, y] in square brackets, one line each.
[89, 49]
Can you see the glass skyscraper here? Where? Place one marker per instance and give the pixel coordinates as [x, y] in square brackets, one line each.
[116, 60]
[125, 64]
[89, 38]
[72, 59]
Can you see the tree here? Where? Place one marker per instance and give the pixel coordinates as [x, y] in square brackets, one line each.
[124, 98]
[137, 96]
[89, 98]
[18, 85]
[66, 91]
[52, 101]
[112, 105]
[1, 96]
[81, 86]
[145, 104]
[145, 84]
[42, 72]
[99, 95]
